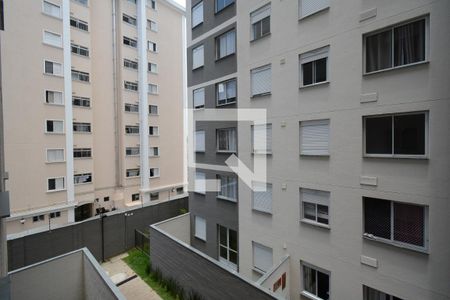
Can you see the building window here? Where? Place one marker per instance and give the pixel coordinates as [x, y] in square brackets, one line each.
[130, 64]
[262, 257]
[401, 224]
[316, 283]
[154, 172]
[130, 86]
[54, 126]
[197, 14]
[82, 153]
[82, 178]
[152, 68]
[82, 2]
[262, 138]
[200, 228]
[396, 46]
[314, 137]
[53, 68]
[79, 24]
[55, 184]
[226, 140]
[132, 172]
[52, 9]
[309, 7]
[129, 42]
[105, 199]
[134, 108]
[180, 190]
[153, 110]
[262, 197]
[198, 57]
[154, 196]
[260, 20]
[199, 98]
[200, 141]
[261, 80]
[152, 4]
[80, 50]
[373, 294]
[55, 214]
[80, 76]
[228, 187]
[226, 92]
[131, 129]
[152, 89]
[228, 247]
[52, 39]
[81, 127]
[152, 25]
[38, 218]
[135, 197]
[396, 135]
[222, 4]
[53, 97]
[153, 130]
[129, 19]
[226, 44]
[132, 151]
[315, 205]
[81, 101]
[152, 46]
[200, 182]
[153, 151]
[314, 66]
[55, 155]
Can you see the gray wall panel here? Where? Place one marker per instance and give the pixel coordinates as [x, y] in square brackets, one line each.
[211, 19]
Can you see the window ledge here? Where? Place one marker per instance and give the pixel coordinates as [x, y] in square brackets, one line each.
[260, 38]
[198, 25]
[327, 82]
[53, 75]
[132, 177]
[197, 68]
[269, 153]
[153, 177]
[420, 157]
[82, 107]
[309, 295]
[225, 104]
[81, 81]
[200, 152]
[79, 55]
[51, 45]
[419, 249]
[51, 16]
[315, 155]
[225, 152]
[260, 272]
[225, 57]
[54, 104]
[313, 13]
[55, 191]
[199, 108]
[82, 158]
[153, 135]
[84, 183]
[55, 133]
[314, 223]
[55, 162]
[261, 95]
[81, 132]
[200, 239]
[263, 212]
[396, 68]
[226, 199]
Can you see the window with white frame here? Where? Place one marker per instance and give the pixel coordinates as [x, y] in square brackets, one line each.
[262, 257]
[260, 22]
[199, 98]
[56, 184]
[198, 57]
[153, 130]
[81, 101]
[52, 68]
[316, 282]
[200, 182]
[314, 137]
[396, 46]
[314, 206]
[134, 108]
[402, 224]
[55, 214]
[314, 66]
[152, 46]
[152, 25]
[153, 109]
[82, 178]
[132, 172]
[396, 135]
[80, 76]
[129, 42]
[200, 228]
[130, 64]
[82, 153]
[129, 19]
[226, 92]
[152, 68]
[309, 7]
[135, 197]
[261, 80]
[55, 155]
[130, 86]
[200, 141]
[53, 39]
[132, 151]
[152, 89]
[226, 44]
[228, 247]
[53, 97]
[81, 127]
[228, 187]
[373, 294]
[262, 197]
[262, 138]
[79, 50]
[82, 25]
[153, 151]
[51, 9]
[131, 129]
[226, 140]
[154, 172]
[54, 126]
[222, 4]
[197, 14]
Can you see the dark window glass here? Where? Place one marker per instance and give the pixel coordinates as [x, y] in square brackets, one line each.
[221, 4]
[307, 73]
[223, 235]
[322, 214]
[323, 285]
[233, 239]
[409, 43]
[309, 211]
[51, 184]
[49, 126]
[379, 135]
[379, 51]
[233, 257]
[377, 217]
[409, 134]
[321, 70]
[48, 67]
[409, 224]
[265, 25]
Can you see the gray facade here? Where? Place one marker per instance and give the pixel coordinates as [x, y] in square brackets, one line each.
[211, 18]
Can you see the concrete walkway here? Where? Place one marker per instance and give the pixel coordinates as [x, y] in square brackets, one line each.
[134, 289]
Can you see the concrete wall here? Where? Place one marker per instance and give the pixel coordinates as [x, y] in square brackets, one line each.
[210, 18]
[179, 227]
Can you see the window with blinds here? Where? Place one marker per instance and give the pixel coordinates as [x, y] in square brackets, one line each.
[262, 257]
[314, 137]
[309, 7]
[200, 228]
[314, 66]
[200, 182]
[197, 57]
[52, 9]
[53, 97]
[226, 44]
[262, 139]
[199, 98]
[55, 155]
[315, 205]
[261, 80]
[260, 22]
[197, 14]
[200, 141]
[228, 187]
[262, 197]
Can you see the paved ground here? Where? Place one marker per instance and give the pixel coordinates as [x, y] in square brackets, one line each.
[134, 289]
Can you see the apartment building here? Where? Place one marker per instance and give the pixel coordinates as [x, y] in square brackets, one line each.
[356, 200]
[212, 84]
[93, 105]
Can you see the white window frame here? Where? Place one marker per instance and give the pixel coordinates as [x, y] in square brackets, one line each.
[134, 126]
[220, 177]
[152, 47]
[53, 74]
[265, 68]
[302, 282]
[57, 190]
[312, 56]
[200, 228]
[302, 16]
[157, 130]
[306, 123]
[201, 56]
[152, 25]
[153, 70]
[226, 261]
[53, 91]
[132, 148]
[318, 201]
[156, 173]
[153, 89]
[197, 6]
[52, 4]
[235, 136]
[57, 161]
[81, 150]
[257, 16]
[203, 148]
[228, 100]
[83, 174]
[151, 152]
[52, 132]
[218, 45]
[157, 110]
[258, 188]
[258, 268]
[135, 176]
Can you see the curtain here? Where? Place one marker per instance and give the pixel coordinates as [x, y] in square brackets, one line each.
[309, 280]
[409, 43]
[378, 51]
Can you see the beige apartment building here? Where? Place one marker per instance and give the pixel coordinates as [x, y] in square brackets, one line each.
[93, 106]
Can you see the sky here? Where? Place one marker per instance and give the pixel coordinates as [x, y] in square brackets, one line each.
[182, 2]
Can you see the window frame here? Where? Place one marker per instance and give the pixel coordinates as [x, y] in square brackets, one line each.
[132, 148]
[80, 74]
[192, 14]
[226, 261]
[55, 162]
[81, 150]
[54, 91]
[253, 71]
[193, 99]
[89, 174]
[134, 176]
[157, 129]
[315, 54]
[269, 148]
[196, 190]
[83, 124]
[59, 45]
[217, 140]
[303, 219]
[198, 236]
[132, 126]
[267, 184]
[154, 173]
[217, 44]
[57, 190]
[252, 32]
[54, 62]
[82, 99]
[52, 132]
[304, 292]
[216, 10]
[254, 267]
[50, 15]
[78, 22]
[219, 177]
[301, 17]
[315, 122]
[79, 47]
[204, 141]
[227, 99]
[196, 67]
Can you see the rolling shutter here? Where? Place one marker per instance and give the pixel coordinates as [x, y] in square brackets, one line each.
[308, 7]
[197, 14]
[262, 196]
[262, 257]
[261, 80]
[260, 14]
[199, 98]
[200, 228]
[200, 141]
[197, 57]
[314, 139]
[315, 196]
[262, 138]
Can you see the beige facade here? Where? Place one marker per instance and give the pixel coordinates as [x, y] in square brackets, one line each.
[94, 45]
